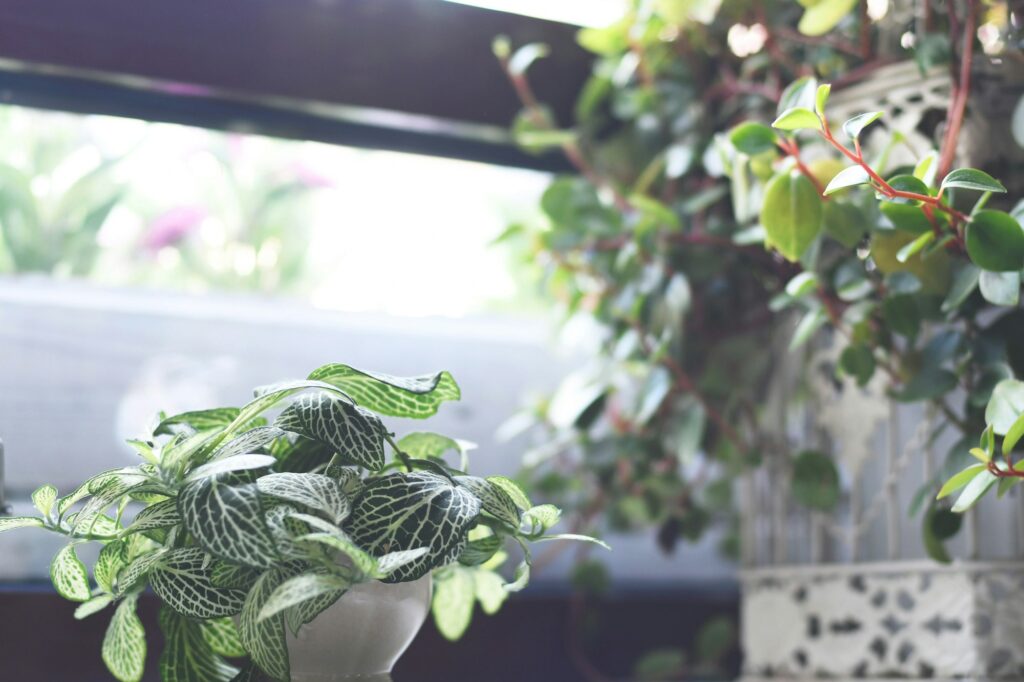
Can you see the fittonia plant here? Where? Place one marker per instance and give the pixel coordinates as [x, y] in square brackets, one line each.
[251, 526]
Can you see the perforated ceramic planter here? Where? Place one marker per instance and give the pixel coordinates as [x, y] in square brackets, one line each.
[917, 620]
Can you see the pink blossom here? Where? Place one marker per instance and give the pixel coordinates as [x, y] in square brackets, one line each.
[173, 226]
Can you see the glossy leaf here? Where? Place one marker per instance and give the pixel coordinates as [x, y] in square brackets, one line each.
[12, 522]
[452, 605]
[970, 178]
[824, 15]
[848, 177]
[1000, 288]
[186, 656]
[975, 489]
[995, 241]
[44, 498]
[752, 138]
[959, 480]
[791, 214]
[415, 397]
[315, 491]
[855, 126]
[351, 430]
[265, 639]
[1005, 406]
[797, 119]
[227, 520]
[299, 589]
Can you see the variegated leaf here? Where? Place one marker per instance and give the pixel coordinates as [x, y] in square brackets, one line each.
[182, 579]
[222, 636]
[247, 443]
[360, 559]
[297, 454]
[452, 604]
[43, 499]
[494, 499]
[228, 464]
[348, 478]
[416, 397]
[160, 515]
[248, 673]
[199, 420]
[227, 520]
[286, 530]
[315, 491]
[136, 571]
[300, 589]
[512, 489]
[480, 550]
[184, 450]
[12, 522]
[108, 565]
[307, 611]
[124, 646]
[408, 511]
[103, 497]
[69, 576]
[265, 639]
[97, 482]
[392, 561]
[186, 656]
[226, 574]
[542, 517]
[93, 606]
[354, 432]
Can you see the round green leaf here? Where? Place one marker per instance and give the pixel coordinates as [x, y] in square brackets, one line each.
[995, 241]
[815, 481]
[752, 138]
[791, 214]
[824, 15]
[797, 118]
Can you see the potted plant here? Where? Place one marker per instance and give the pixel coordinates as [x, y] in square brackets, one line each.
[719, 257]
[295, 543]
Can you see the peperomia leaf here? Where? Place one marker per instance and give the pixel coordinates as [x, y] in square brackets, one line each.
[1000, 288]
[124, 646]
[69, 576]
[227, 520]
[822, 16]
[408, 511]
[351, 430]
[797, 118]
[416, 397]
[855, 126]
[848, 177]
[995, 241]
[315, 491]
[265, 639]
[1005, 406]
[182, 579]
[791, 214]
[971, 178]
[752, 138]
[186, 656]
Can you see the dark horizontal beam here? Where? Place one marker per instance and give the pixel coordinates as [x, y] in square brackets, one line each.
[313, 69]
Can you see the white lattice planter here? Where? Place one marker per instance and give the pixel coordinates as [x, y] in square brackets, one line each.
[885, 620]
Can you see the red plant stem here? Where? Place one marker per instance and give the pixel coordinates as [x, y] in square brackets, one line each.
[865, 31]
[961, 91]
[1004, 473]
[791, 148]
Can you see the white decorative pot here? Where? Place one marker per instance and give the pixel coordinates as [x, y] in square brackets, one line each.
[894, 619]
[362, 635]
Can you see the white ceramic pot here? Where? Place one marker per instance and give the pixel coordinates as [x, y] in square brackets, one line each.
[362, 635]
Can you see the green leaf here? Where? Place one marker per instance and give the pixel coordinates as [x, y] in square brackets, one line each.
[108, 565]
[801, 93]
[1013, 436]
[978, 486]
[513, 490]
[186, 656]
[824, 15]
[408, 511]
[495, 500]
[574, 537]
[802, 284]
[858, 361]
[520, 579]
[361, 560]
[200, 420]
[855, 126]
[844, 222]
[964, 283]
[299, 589]
[914, 247]
[227, 520]
[752, 138]
[230, 464]
[424, 445]
[351, 430]
[660, 664]
[93, 606]
[1000, 288]
[927, 167]
[307, 611]
[938, 525]
[69, 576]
[124, 646]
[970, 178]
[221, 635]
[182, 579]
[797, 118]
[490, 590]
[959, 480]
[392, 561]
[907, 217]
[791, 214]
[821, 98]
[811, 322]
[247, 443]
[452, 605]
[480, 550]
[848, 177]
[415, 397]
[815, 481]
[159, 515]
[1005, 406]
[265, 639]
[995, 241]
[135, 571]
[542, 517]
[43, 499]
[12, 522]
[315, 491]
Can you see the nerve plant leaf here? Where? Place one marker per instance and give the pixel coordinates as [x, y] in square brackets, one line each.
[265, 639]
[299, 589]
[415, 397]
[12, 522]
[408, 511]
[69, 576]
[124, 646]
[351, 430]
[452, 606]
[315, 491]
[222, 636]
[494, 499]
[183, 580]
[186, 656]
[227, 520]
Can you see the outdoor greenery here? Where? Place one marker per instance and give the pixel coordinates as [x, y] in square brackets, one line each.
[251, 526]
[714, 209]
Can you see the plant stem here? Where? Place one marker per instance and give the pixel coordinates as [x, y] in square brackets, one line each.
[961, 90]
